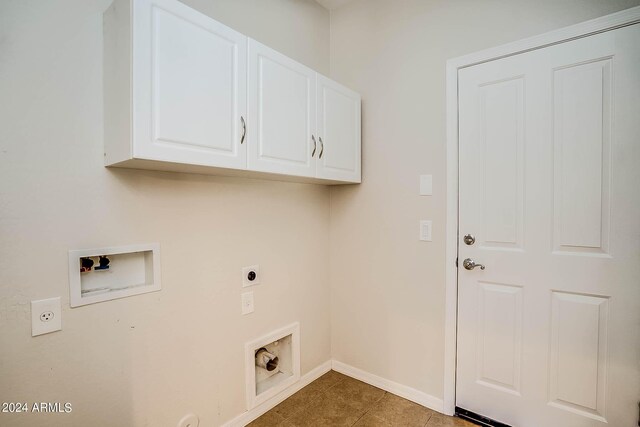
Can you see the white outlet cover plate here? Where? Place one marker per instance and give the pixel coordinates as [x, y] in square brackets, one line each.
[425, 230]
[189, 420]
[426, 185]
[245, 272]
[51, 309]
[247, 302]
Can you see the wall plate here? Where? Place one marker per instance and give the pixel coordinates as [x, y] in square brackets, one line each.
[245, 276]
[247, 302]
[46, 316]
[426, 185]
[189, 420]
[425, 230]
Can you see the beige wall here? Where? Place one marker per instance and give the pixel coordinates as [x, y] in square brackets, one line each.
[387, 287]
[145, 360]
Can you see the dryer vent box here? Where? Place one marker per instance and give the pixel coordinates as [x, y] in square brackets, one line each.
[266, 381]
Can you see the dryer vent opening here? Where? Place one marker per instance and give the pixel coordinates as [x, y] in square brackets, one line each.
[266, 360]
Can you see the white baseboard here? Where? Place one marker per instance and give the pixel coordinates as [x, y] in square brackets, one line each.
[248, 416]
[407, 392]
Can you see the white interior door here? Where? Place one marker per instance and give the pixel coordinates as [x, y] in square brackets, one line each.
[549, 153]
[282, 113]
[338, 131]
[189, 86]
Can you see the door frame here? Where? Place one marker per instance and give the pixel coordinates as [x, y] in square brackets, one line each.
[605, 23]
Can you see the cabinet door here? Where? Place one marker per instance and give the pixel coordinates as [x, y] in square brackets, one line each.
[189, 87]
[282, 113]
[338, 132]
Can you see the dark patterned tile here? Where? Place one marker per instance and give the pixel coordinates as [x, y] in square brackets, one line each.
[355, 393]
[298, 401]
[269, 419]
[328, 380]
[329, 411]
[439, 420]
[336, 400]
[401, 412]
[369, 420]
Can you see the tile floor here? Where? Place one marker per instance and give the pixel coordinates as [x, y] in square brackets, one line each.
[337, 400]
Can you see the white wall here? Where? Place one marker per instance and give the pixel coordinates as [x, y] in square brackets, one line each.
[150, 359]
[387, 287]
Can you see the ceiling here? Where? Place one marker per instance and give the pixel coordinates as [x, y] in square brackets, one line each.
[333, 4]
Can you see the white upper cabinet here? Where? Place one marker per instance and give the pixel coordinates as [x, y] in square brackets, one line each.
[282, 109]
[188, 87]
[338, 131]
[183, 92]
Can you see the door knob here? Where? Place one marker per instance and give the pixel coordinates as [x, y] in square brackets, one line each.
[469, 239]
[470, 264]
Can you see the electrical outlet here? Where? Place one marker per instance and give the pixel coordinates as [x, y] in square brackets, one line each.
[247, 303]
[250, 276]
[46, 316]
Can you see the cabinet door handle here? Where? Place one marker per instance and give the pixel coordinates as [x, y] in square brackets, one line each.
[321, 147]
[244, 130]
[313, 138]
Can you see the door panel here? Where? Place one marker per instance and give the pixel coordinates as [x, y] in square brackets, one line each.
[578, 356]
[582, 126]
[339, 131]
[502, 127]
[190, 113]
[499, 336]
[548, 186]
[282, 113]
